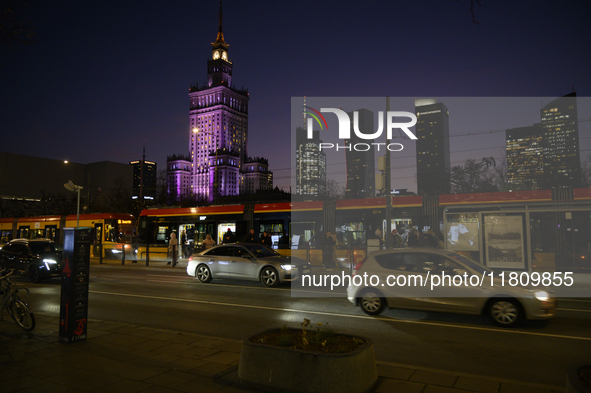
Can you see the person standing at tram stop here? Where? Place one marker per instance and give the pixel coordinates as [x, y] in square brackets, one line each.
[208, 242]
[397, 241]
[229, 237]
[327, 250]
[249, 237]
[173, 248]
[183, 243]
[266, 240]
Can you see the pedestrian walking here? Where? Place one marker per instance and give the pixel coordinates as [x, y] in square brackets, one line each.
[173, 248]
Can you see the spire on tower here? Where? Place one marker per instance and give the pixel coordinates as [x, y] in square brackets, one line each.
[219, 42]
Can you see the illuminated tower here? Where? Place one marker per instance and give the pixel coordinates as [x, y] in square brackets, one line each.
[218, 127]
[433, 162]
[560, 130]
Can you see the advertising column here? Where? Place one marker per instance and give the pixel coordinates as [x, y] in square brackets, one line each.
[74, 295]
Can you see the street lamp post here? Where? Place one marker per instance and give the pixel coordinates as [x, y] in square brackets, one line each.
[70, 186]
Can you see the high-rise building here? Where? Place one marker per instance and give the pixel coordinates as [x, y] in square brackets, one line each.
[360, 162]
[310, 165]
[178, 177]
[144, 179]
[560, 128]
[525, 158]
[433, 162]
[219, 127]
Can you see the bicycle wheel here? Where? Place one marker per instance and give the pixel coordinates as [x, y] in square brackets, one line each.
[21, 314]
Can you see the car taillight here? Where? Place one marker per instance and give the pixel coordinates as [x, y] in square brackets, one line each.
[357, 267]
[190, 258]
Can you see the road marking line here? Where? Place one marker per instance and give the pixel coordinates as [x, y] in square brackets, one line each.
[385, 319]
[572, 309]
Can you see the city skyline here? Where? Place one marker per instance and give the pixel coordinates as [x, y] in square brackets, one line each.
[114, 77]
[481, 119]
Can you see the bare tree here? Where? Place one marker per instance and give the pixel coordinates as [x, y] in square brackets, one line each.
[333, 190]
[473, 177]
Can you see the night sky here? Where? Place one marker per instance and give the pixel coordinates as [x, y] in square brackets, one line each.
[106, 77]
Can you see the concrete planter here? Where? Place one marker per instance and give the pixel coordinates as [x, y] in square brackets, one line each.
[283, 369]
[573, 381]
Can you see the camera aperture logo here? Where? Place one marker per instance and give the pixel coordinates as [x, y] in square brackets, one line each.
[345, 128]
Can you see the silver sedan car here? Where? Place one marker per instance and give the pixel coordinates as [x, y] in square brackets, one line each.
[246, 262]
[440, 280]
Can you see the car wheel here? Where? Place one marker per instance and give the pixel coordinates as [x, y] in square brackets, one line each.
[505, 312]
[270, 277]
[35, 274]
[203, 273]
[372, 302]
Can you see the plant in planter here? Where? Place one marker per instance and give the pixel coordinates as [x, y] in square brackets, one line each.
[307, 360]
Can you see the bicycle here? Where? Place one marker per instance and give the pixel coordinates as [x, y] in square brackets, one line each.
[17, 308]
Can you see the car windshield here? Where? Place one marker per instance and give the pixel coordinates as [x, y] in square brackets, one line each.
[470, 263]
[38, 248]
[261, 251]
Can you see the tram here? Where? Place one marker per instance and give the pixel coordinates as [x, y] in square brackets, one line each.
[542, 230]
[110, 230]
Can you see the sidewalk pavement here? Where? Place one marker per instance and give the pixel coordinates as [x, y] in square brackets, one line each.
[125, 358]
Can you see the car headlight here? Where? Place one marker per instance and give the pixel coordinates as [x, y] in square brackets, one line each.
[48, 262]
[288, 267]
[542, 296]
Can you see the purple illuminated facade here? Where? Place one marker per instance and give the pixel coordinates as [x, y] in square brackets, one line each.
[219, 127]
[218, 140]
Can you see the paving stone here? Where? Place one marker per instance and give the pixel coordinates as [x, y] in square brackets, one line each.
[210, 369]
[208, 343]
[20, 382]
[199, 352]
[205, 383]
[126, 386]
[477, 384]
[394, 372]
[444, 389]
[187, 364]
[432, 377]
[47, 388]
[150, 345]
[230, 347]
[223, 357]
[171, 348]
[143, 373]
[393, 385]
[170, 378]
[165, 358]
[507, 387]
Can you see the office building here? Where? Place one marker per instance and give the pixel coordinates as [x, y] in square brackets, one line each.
[360, 161]
[432, 147]
[560, 128]
[144, 179]
[310, 165]
[525, 158]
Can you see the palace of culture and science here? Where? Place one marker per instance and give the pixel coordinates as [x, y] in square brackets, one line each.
[218, 163]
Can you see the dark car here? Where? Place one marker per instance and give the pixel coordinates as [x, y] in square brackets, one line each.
[39, 258]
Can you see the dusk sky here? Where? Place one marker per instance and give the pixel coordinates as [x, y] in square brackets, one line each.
[103, 78]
